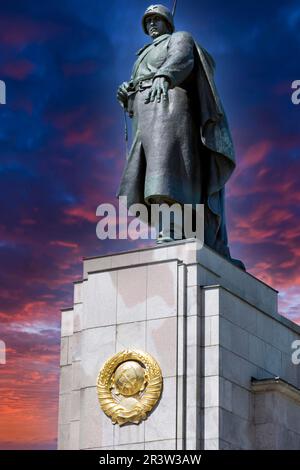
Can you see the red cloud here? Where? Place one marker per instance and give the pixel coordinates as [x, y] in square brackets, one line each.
[68, 118]
[256, 154]
[16, 31]
[18, 70]
[28, 389]
[32, 311]
[84, 136]
[63, 244]
[81, 212]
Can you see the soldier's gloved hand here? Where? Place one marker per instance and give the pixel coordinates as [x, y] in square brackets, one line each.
[159, 90]
[122, 94]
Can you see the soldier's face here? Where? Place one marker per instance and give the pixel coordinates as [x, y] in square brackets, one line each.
[156, 26]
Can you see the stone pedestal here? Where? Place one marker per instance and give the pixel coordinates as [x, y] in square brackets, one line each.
[225, 353]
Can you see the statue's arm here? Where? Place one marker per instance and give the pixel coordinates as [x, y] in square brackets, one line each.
[179, 63]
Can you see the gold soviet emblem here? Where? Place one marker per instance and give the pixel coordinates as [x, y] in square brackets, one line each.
[129, 385]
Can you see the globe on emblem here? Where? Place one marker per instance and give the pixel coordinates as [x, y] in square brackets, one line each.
[129, 378]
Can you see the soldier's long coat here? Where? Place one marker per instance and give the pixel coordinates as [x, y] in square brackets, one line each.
[182, 149]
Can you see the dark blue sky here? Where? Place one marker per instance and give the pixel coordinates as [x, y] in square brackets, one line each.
[62, 154]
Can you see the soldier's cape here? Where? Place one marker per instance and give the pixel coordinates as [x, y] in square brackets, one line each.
[215, 134]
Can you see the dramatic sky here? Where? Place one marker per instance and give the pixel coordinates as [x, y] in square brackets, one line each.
[62, 154]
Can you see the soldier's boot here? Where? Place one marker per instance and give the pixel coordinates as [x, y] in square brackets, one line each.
[170, 234]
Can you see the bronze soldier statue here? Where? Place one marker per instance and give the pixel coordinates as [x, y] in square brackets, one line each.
[182, 150]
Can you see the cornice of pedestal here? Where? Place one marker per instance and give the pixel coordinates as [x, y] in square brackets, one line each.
[278, 385]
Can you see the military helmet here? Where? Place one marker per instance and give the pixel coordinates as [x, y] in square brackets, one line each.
[159, 10]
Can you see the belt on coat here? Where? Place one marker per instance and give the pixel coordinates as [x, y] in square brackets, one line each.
[135, 86]
[140, 84]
